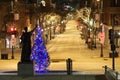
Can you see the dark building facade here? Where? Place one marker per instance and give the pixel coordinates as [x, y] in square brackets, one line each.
[111, 12]
[18, 14]
[109, 9]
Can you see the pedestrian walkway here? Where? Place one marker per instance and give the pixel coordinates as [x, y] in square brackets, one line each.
[70, 45]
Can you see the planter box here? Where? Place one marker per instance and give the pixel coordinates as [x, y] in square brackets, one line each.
[4, 56]
[25, 69]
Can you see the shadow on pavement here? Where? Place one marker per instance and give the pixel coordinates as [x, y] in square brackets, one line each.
[100, 77]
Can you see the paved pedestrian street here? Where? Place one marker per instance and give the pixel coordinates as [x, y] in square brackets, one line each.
[70, 45]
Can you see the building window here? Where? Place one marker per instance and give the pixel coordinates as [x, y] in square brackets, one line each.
[115, 19]
[115, 3]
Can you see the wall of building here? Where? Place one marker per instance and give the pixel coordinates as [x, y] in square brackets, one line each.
[110, 11]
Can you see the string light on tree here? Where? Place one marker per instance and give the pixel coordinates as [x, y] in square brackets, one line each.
[39, 54]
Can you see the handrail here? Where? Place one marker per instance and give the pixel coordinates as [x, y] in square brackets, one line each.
[111, 74]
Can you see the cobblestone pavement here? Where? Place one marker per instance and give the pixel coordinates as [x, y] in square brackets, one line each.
[70, 45]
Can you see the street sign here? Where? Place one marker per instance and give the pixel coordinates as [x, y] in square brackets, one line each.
[102, 37]
[13, 41]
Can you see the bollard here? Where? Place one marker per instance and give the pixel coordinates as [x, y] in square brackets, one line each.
[69, 66]
[105, 69]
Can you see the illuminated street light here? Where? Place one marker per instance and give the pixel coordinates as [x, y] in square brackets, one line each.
[43, 3]
[91, 22]
[98, 0]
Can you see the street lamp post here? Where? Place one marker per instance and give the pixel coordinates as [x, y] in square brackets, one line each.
[100, 7]
[12, 57]
[95, 37]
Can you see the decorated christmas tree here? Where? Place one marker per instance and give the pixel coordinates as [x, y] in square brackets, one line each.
[39, 54]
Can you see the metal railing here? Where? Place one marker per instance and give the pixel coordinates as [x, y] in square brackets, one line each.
[111, 74]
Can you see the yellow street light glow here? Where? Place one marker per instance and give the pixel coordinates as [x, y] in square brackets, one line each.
[98, 0]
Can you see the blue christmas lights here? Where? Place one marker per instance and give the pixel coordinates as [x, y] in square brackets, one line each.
[39, 54]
